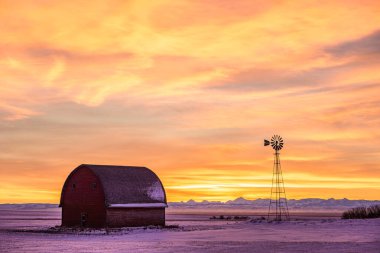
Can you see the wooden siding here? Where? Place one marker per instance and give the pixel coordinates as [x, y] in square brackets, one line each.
[83, 195]
[134, 217]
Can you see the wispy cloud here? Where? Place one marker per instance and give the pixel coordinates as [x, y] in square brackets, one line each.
[367, 47]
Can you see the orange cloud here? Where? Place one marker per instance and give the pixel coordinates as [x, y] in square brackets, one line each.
[190, 89]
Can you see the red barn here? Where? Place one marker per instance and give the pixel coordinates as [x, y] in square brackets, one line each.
[112, 196]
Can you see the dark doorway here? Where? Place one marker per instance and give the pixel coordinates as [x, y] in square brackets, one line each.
[83, 219]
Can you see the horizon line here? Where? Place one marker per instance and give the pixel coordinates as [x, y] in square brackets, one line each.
[200, 201]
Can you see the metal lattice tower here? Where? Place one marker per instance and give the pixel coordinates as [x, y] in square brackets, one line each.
[278, 205]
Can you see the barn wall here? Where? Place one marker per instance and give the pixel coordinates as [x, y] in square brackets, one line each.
[86, 197]
[134, 217]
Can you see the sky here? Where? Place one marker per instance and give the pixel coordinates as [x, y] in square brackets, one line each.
[190, 89]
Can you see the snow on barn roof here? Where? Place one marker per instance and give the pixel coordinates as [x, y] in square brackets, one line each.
[128, 184]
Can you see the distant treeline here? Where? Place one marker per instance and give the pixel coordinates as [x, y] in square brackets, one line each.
[362, 212]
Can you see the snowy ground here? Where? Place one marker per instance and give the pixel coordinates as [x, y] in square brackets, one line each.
[28, 231]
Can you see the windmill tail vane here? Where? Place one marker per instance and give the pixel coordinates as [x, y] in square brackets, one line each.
[278, 205]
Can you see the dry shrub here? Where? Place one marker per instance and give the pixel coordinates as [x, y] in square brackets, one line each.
[362, 212]
[373, 211]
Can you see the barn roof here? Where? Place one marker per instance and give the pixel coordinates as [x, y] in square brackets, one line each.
[128, 184]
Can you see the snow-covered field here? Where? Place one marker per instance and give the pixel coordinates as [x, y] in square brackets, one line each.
[27, 230]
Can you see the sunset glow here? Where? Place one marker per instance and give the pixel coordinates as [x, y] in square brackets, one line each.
[190, 89]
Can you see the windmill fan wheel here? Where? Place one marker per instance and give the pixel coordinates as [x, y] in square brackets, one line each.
[277, 142]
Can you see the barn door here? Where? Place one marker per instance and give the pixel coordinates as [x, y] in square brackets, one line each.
[83, 219]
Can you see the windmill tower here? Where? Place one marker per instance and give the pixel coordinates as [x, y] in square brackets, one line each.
[278, 205]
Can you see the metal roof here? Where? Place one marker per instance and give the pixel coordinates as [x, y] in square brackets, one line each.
[128, 184]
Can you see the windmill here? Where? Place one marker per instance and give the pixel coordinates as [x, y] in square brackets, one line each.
[278, 205]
